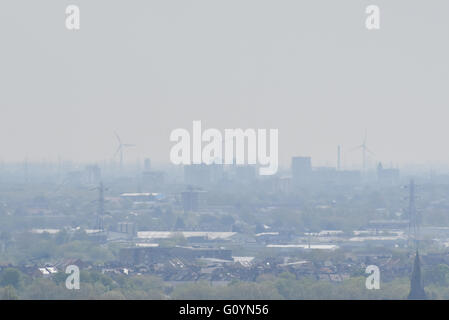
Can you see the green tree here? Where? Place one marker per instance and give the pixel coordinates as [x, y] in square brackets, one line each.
[10, 277]
[8, 293]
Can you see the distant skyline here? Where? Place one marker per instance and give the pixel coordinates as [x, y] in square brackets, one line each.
[143, 68]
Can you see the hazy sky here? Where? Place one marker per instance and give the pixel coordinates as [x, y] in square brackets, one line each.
[308, 68]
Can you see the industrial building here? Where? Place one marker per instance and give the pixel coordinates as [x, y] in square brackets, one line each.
[150, 255]
[193, 200]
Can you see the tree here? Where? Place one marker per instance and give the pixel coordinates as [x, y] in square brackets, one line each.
[10, 277]
[437, 274]
[113, 295]
[44, 289]
[8, 293]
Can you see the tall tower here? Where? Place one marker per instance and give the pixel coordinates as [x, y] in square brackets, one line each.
[414, 219]
[100, 213]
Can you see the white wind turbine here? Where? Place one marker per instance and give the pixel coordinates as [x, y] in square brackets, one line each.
[121, 147]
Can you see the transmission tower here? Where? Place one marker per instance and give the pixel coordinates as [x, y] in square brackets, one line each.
[413, 216]
[100, 213]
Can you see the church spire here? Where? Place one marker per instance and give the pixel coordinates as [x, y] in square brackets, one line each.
[416, 288]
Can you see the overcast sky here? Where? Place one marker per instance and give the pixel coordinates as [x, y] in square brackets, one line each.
[143, 68]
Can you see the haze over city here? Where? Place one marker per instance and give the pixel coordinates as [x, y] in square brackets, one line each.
[309, 69]
[224, 150]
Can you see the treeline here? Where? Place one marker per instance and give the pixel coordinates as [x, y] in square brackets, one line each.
[95, 285]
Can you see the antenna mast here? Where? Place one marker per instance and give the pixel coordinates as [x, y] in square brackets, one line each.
[414, 221]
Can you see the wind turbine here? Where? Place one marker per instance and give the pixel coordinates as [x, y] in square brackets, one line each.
[120, 148]
[364, 149]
